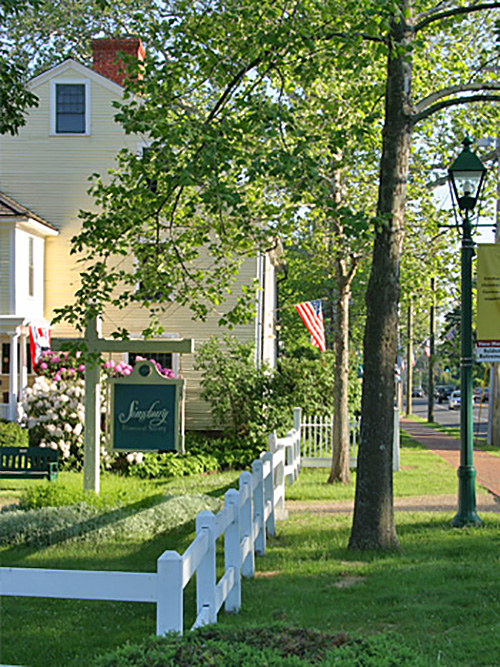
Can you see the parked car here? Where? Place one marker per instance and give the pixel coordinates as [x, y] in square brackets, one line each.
[454, 400]
[480, 395]
[417, 392]
[444, 391]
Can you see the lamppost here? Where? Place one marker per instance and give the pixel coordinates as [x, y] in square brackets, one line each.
[466, 177]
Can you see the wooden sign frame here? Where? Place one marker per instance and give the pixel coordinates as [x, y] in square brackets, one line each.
[146, 412]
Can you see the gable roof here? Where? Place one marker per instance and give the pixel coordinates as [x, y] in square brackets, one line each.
[84, 72]
[9, 208]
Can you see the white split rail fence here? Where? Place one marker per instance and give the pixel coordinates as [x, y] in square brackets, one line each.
[247, 516]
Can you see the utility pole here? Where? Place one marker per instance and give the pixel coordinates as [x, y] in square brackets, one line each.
[432, 342]
[409, 360]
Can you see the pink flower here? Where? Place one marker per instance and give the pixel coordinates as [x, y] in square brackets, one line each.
[55, 360]
[81, 368]
[43, 366]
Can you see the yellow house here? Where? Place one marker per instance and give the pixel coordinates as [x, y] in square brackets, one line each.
[44, 174]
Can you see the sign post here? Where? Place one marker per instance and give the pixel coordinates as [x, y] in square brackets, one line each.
[94, 345]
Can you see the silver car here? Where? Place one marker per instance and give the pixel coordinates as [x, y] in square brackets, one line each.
[454, 400]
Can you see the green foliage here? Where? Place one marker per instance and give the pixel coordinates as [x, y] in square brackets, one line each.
[229, 453]
[240, 395]
[15, 99]
[12, 435]
[275, 644]
[170, 464]
[249, 403]
[51, 525]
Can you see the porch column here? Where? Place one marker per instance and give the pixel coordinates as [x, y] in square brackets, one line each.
[23, 367]
[14, 377]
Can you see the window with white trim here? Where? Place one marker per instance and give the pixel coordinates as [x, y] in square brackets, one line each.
[70, 107]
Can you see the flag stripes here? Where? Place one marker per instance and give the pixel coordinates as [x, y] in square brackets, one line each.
[312, 315]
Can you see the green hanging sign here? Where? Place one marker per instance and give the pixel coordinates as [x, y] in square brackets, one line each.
[146, 411]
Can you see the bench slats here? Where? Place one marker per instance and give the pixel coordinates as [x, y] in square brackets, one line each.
[26, 462]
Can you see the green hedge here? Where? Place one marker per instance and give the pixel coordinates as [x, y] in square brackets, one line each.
[12, 435]
[274, 645]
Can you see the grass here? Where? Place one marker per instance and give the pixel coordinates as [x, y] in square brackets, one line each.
[440, 594]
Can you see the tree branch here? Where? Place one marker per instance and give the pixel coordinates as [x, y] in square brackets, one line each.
[452, 90]
[454, 102]
[431, 17]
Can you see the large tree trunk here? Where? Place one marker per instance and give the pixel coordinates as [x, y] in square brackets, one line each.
[340, 459]
[373, 523]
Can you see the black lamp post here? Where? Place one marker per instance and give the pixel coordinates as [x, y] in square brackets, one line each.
[466, 177]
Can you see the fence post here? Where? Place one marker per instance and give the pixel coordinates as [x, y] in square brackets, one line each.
[206, 575]
[232, 551]
[297, 419]
[246, 525]
[169, 603]
[278, 475]
[258, 508]
[267, 460]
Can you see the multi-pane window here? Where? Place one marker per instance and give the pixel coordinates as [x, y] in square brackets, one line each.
[163, 358]
[70, 108]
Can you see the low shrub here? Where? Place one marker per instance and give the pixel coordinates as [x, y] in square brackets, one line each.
[230, 453]
[172, 464]
[254, 646]
[50, 525]
[12, 434]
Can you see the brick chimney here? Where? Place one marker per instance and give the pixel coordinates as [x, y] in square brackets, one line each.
[105, 61]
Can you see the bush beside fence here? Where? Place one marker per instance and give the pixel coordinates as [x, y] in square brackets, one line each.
[248, 515]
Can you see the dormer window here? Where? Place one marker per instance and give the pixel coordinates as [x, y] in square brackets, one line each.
[70, 107]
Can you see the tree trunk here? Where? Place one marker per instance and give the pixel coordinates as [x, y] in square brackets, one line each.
[340, 459]
[373, 523]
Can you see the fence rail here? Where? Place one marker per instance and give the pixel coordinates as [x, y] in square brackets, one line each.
[248, 515]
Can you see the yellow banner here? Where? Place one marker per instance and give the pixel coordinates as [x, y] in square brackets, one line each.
[488, 292]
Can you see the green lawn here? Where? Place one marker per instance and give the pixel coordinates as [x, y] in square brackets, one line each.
[440, 594]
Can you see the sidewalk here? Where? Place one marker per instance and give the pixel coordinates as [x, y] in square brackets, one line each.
[487, 465]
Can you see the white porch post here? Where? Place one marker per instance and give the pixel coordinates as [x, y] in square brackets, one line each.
[23, 368]
[14, 377]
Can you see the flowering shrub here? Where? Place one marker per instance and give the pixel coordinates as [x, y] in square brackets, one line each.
[54, 410]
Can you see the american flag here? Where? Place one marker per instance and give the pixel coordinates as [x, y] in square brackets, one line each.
[312, 315]
[39, 342]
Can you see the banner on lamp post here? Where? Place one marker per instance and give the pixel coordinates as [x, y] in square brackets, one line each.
[488, 302]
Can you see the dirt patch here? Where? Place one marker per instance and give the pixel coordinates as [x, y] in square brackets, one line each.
[348, 581]
[6, 502]
[443, 503]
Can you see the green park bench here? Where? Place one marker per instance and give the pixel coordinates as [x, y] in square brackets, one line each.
[28, 463]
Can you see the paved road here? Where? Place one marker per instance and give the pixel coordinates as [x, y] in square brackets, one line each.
[443, 415]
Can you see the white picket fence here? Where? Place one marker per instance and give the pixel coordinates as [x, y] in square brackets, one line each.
[316, 440]
[248, 514]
